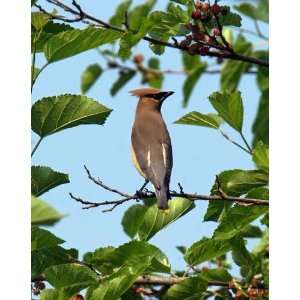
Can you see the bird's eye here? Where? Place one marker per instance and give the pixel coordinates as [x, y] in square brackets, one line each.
[158, 96]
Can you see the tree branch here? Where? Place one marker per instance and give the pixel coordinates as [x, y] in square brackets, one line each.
[222, 52]
[140, 195]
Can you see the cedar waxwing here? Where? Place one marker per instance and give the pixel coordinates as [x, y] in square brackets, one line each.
[151, 144]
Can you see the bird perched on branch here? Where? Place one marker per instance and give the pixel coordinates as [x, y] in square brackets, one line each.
[151, 144]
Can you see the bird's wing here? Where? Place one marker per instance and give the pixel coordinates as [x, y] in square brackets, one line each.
[153, 153]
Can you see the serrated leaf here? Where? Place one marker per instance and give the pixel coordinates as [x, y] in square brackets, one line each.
[42, 213]
[230, 108]
[72, 42]
[119, 17]
[46, 257]
[52, 294]
[190, 61]
[190, 83]
[100, 259]
[89, 77]
[251, 231]
[40, 37]
[239, 182]
[232, 71]
[42, 238]
[44, 178]
[124, 77]
[219, 274]
[260, 12]
[215, 210]
[206, 249]
[53, 114]
[135, 212]
[156, 79]
[260, 126]
[189, 289]
[236, 219]
[129, 254]
[119, 282]
[138, 13]
[71, 278]
[155, 219]
[199, 119]
[240, 254]
[261, 156]
[39, 20]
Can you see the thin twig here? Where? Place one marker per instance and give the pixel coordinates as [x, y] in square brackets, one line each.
[140, 195]
[223, 53]
[36, 146]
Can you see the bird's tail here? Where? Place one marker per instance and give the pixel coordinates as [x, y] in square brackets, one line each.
[162, 196]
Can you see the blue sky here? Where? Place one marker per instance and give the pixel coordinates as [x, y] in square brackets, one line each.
[199, 153]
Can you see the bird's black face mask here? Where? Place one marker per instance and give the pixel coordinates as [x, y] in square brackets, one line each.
[160, 96]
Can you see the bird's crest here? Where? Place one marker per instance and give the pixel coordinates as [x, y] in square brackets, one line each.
[144, 91]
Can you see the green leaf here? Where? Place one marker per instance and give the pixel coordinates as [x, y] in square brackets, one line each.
[100, 259]
[230, 19]
[40, 37]
[130, 39]
[137, 14]
[183, 2]
[240, 254]
[39, 20]
[90, 76]
[155, 219]
[71, 278]
[251, 231]
[258, 193]
[190, 83]
[215, 210]
[233, 70]
[129, 254]
[261, 156]
[42, 238]
[260, 126]
[44, 179]
[124, 77]
[189, 289]
[219, 274]
[236, 219]
[72, 42]
[156, 79]
[206, 249]
[199, 119]
[230, 108]
[119, 282]
[190, 61]
[238, 182]
[53, 114]
[46, 257]
[119, 17]
[42, 213]
[133, 219]
[52, 294]
[260, 12]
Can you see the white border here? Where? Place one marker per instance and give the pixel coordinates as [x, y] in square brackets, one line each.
[15, 149]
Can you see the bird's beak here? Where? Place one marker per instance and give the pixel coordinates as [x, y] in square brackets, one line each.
[167, 94]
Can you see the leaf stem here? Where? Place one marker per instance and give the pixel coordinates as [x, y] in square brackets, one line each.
[37, 75]
[36, 146]
[33, 65]
[246, 143]
[233, 142]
